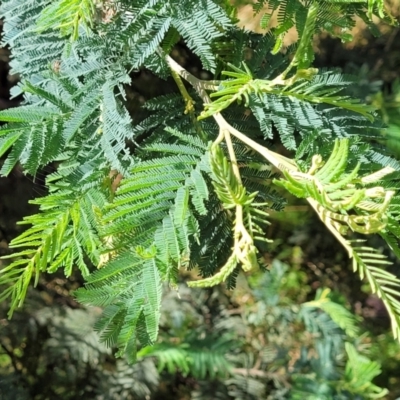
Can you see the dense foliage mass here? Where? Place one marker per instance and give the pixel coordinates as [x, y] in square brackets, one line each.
[191, 185]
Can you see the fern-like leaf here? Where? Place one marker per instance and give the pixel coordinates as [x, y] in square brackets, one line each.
[370, 263]
[45, 247]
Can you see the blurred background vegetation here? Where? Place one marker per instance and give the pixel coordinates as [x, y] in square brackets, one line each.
[307, 329]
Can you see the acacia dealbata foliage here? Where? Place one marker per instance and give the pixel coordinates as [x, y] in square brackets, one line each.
[191, 185]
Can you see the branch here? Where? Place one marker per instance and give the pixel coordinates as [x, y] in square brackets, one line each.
[200, 87]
